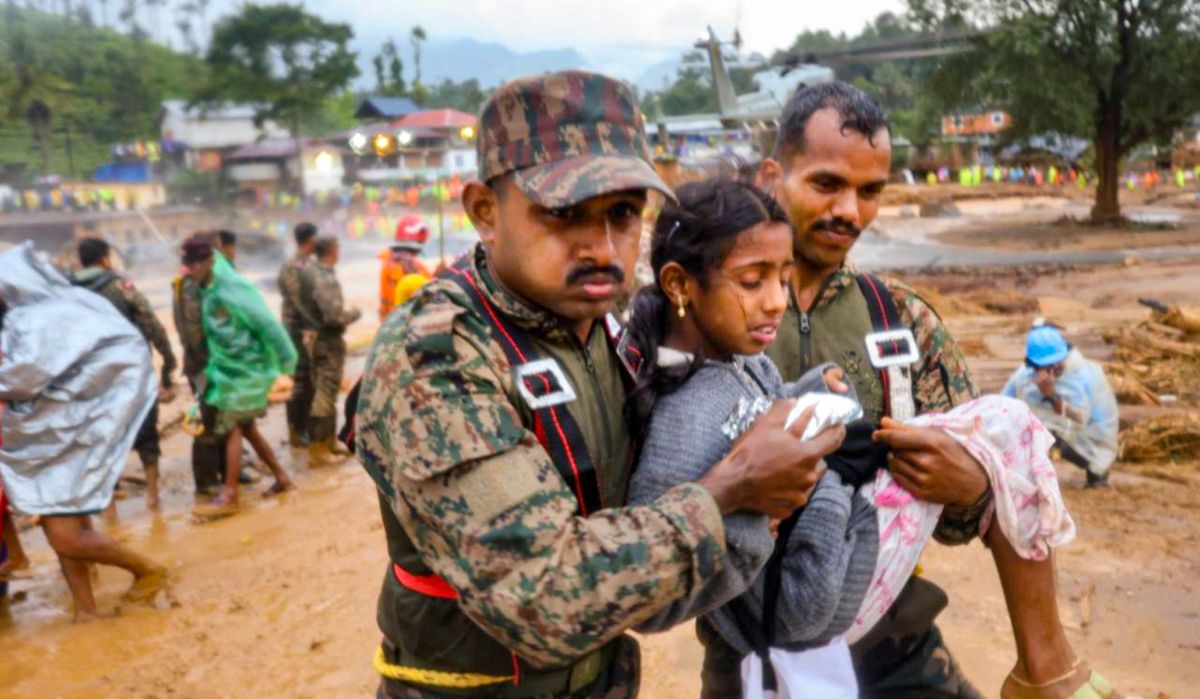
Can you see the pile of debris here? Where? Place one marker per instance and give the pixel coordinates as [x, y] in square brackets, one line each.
[1157, 360]
[1169, 437]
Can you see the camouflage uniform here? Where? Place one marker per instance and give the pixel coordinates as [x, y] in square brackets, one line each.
[295, 322]
[208, 450]
[904, 655]
[469, 494]
[136, 308]
[321, 300]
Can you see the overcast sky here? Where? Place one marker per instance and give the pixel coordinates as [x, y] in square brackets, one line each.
[623, 36]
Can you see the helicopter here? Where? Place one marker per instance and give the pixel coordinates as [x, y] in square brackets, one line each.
[757, 112]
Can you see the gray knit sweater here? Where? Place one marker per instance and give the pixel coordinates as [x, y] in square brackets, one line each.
[831, 552]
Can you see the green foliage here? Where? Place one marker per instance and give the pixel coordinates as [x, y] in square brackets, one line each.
[466, 96]
[389, 71]
[336, 114]
[1120, 72]
[280, 58]
[99, 86]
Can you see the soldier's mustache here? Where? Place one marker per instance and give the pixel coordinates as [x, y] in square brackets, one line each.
[581, 275]
[837, 225]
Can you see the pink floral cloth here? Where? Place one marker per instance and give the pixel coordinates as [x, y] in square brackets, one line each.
[1010, 442]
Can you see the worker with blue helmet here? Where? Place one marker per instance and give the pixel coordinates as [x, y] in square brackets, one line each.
[1072, 398]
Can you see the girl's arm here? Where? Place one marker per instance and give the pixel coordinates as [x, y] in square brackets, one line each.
[683, 442]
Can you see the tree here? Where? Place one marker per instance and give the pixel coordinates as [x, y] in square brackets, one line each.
[389, 71]
[416, 38]
[465, 96]
[279, 58]
[1121, 72]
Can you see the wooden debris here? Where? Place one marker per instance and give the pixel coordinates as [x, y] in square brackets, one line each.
[1163, 438]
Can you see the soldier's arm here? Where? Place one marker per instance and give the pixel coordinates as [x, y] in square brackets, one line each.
[940, 382]
[152, 329]
[481, 499]
[289, 284]
[328, 298]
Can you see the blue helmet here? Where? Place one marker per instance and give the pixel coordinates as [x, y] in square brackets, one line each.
[1045, 346]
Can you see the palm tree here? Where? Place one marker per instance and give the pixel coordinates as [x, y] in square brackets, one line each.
[418, 35]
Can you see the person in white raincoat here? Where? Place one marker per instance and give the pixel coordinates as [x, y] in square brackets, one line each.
[1072, 398]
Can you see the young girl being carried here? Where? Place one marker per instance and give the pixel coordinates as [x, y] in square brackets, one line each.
[722, 259]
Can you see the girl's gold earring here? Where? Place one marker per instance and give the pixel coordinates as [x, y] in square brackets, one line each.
[682, 309]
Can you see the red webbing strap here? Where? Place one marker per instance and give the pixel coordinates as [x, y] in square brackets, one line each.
[431, 585]
[556, 430]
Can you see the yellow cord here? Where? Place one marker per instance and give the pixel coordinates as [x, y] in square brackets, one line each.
[434, 678]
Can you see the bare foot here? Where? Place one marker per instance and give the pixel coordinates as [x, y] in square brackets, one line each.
[84, 617]
[1081, 684]
[278, 487]
[145, 587]
[224, 505]
[14, 569]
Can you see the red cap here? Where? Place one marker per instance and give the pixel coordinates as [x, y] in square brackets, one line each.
[412, 232]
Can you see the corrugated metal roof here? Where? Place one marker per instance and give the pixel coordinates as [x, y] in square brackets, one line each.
[375, 107]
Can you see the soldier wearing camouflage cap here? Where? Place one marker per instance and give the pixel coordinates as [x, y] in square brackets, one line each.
[491, 418]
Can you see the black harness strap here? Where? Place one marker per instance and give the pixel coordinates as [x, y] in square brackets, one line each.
[553, 425]
[884, 316]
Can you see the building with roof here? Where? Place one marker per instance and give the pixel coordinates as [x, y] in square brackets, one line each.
[422, 145]
[286, 164]
[376, 107]
[209, 133]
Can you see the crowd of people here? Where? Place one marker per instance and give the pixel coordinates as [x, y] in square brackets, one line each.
[237, 356]
[764, 446]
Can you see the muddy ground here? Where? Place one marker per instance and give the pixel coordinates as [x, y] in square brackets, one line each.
[279, 601]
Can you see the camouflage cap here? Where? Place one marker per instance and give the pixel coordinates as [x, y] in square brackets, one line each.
[566, 137]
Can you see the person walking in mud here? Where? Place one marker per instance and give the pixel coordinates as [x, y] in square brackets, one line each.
[74, 402]
[97, 275]
[491, 418]
[293, 321]
[249, 352]
[208, 451]
[321, 301]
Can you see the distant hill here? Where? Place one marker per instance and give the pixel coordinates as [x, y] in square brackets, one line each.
[489, 63]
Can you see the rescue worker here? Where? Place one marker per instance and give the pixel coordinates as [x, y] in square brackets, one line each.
[97, 275]
[831, 165]
[491, 416]
[249, 353]
[1072, 398]
[289, 289]
[321, 300]
[208, 450]
[401, 260]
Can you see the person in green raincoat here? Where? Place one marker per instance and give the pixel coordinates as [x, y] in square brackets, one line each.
[249, 351]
